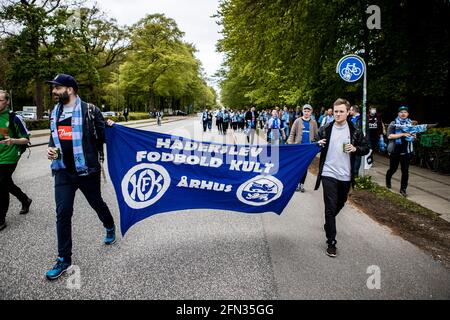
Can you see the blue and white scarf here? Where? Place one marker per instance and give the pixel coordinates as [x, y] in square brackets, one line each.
[399, 123]
[77, 138]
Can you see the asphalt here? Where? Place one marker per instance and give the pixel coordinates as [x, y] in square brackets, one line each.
[206, 254]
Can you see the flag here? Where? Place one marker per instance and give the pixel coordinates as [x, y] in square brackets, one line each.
[155, 173]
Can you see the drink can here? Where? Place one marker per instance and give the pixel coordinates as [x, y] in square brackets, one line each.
[57, 155]
[344, 144]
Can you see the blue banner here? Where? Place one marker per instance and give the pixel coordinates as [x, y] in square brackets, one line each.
[154, 173]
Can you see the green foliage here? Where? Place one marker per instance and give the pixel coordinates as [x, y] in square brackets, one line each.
[43, 38]
[161, 68]
[38, 124]
[285, 52]
[364, 183]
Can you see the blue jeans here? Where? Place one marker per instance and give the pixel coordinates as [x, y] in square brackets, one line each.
[66, 184]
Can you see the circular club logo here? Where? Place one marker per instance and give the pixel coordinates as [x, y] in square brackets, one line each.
[260, 190]
[144, 184]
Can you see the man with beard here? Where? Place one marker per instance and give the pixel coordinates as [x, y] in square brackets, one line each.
[76, 150]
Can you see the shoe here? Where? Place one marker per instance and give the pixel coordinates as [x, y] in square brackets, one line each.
[331, 251]
[298, 188]
[26, 206]
[58, 269]
[403, 192]
[2, 225]
[302, 189]
[110, 237]
[388, 184]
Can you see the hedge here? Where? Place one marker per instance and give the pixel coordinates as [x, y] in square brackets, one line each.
[45, 123]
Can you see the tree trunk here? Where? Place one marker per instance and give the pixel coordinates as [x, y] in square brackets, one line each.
[39, 98]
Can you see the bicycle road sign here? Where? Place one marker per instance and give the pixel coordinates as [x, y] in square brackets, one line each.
[351, 68]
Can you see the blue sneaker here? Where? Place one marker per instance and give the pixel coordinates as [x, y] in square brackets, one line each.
[110, 237]
[58, 269]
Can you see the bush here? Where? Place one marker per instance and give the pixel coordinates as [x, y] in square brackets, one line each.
[37, 124]
[364, 183]
[45, 123]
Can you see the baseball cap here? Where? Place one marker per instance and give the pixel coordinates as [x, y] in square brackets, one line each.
[403, 108]
[64, 80]
[307, 106]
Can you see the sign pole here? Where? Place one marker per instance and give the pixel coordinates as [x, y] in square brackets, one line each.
[351, 68]
[364, 118]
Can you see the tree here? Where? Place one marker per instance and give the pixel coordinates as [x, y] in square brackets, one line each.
[285, 52]
[43, 38]
[161, 66]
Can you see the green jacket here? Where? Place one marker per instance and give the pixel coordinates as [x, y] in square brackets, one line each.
[11, 154]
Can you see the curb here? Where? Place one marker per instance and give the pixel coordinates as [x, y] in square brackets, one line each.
[144, 124]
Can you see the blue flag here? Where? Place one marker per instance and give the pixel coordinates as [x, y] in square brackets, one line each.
[154, 173]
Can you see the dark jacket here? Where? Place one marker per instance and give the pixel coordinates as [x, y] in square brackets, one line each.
[248, 116]
[93, 136]
[356, 139]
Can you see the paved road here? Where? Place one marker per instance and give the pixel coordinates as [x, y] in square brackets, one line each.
[204, 254]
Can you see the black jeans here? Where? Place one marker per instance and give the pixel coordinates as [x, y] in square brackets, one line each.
[358, 160]
[394, 161]
[7, 186]
[66, 185]
[335, 194]
[302, 181]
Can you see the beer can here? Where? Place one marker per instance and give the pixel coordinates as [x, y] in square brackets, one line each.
[57, 155]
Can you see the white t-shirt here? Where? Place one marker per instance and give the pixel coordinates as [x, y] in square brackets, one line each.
[337, 164]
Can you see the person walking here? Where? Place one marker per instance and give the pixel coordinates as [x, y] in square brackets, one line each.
[76, 150]
[159, 116]
[304, 130]
[125, 114]
[355, 118]
[205, 119]
[375, 128]
[13, 135]
[251, 117]
[340, 142]
[328, 117]
[400, 149]
[274, 129]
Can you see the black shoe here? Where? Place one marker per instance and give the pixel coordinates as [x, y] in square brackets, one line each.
[26, 206]
[388, 184]
[403, 192]
[331, 251]
[2, 225]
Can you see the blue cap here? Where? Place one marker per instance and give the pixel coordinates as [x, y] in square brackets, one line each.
[64, 80]
[403, 108]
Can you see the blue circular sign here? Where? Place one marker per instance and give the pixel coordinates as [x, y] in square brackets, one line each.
[351, 68]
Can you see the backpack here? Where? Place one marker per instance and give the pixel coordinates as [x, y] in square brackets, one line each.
[13, 121]
[91, 117]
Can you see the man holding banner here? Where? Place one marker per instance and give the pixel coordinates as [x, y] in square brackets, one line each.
[76, 143]
[341, 142]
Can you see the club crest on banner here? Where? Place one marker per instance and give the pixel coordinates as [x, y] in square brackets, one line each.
[144, 184]
[260, 190]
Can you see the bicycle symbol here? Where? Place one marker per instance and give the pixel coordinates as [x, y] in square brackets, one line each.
[349, 70]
